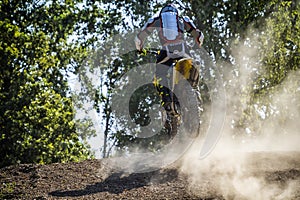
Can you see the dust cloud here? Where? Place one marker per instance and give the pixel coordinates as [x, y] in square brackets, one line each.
[238, 170]
[260, 164]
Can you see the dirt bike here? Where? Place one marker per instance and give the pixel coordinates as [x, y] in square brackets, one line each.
[183, 80]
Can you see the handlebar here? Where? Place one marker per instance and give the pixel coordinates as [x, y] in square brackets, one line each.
[145, 51]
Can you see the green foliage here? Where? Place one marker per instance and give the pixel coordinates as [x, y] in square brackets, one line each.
[224, 22]
[280, 46]
[279, 54]
[7, 190]
[40, 42]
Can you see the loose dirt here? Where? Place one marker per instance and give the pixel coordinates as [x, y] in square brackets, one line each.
[100, 179]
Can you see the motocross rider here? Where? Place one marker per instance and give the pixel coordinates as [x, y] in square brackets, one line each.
[170, 27]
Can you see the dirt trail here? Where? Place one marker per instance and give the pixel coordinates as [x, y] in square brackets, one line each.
[277, 172]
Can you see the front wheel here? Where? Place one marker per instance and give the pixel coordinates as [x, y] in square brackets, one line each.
[191, 111]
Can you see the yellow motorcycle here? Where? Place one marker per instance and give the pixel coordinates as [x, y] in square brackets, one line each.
[183, 80]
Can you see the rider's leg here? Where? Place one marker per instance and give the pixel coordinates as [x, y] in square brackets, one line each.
[161, 75]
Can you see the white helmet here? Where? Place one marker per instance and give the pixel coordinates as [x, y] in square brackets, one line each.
[169, 8]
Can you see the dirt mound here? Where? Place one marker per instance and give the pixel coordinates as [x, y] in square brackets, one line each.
[100, 179]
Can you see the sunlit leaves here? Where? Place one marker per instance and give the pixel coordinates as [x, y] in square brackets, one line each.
[36, 52]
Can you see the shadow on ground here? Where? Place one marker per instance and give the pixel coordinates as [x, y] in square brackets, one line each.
[116, 183]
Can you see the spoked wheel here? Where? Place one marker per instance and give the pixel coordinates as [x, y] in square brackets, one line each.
[191, 111]
[191, 124]
[186, 118]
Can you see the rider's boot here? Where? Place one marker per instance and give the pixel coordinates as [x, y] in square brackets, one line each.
[171, 107]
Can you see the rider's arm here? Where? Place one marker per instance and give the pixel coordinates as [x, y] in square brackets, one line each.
[146, 30]
[190, 27]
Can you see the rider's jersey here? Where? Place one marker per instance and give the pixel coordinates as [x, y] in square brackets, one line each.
[170, 29]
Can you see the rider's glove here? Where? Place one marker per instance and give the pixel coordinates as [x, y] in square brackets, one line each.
[142, 52]
[138, 44]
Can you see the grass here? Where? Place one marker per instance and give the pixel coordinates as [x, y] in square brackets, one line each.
[7, 190]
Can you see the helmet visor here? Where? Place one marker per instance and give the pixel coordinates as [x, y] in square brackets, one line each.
[169, 9]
